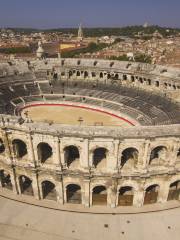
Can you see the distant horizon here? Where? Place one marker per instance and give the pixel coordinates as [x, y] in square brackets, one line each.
[86, 27]
[45, 14]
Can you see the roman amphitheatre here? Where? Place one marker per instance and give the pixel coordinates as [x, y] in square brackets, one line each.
[90, 139]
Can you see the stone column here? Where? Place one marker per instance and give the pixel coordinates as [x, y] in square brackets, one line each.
[84, 155]
[8, 147]
[144, 156]
[31, 154]
[18, 187]
[138, 199]
[59, 189]
[173, 153]
[86, 193]
[13, 181]
[163, 192]
[112, 161]
[63, 163]
[36, 186]
[56, 153]
[113, 193]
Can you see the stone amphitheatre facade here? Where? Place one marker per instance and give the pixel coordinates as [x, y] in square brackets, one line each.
[112, 166]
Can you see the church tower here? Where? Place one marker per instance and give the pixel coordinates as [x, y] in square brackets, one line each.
[80, 33]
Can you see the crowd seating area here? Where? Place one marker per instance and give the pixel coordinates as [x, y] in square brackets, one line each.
[147, 108]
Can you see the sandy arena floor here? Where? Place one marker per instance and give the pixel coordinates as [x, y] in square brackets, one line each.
[72, 116]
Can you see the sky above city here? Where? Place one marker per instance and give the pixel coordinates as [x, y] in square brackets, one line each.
[92, 13]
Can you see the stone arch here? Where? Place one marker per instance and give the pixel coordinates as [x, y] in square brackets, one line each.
[129, 157]
[99, 157]
[158, 154]
[174, 191]
[25, 184]
[99, 195]
[70, 74]
[48, 190]
[132, 78]
[125, 196]
[2, 146]
[108, 76]
[73, 194]
[151, 194]
[71, 156]
[78, 74]
[101, 75]
[124, 77]
[19, 148]
[45, 152]
[157, 83]
[86, 74]
[6, 180]
[116, 76]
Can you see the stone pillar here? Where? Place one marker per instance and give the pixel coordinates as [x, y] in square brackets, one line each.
[109, 197]
[173, 153]
[63, 163]
[31, 150]
[86, 193]
[138, 199]
[36, 186]
[56, 153]
[13, 181]
[112, 161]
[163, 193]
[18, 187]
[84, 155]
[144, 156]
[8, 148]
[59, 189]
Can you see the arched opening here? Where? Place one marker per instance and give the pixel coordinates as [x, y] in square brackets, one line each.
[49, 190]
[99, 157]
[86, 74]
[124, 77]
[55, 76]
[44, 152]
[132, 79]
[157, 83]
[93, 74]
[2, 147]
[26, 185]
[71, 156]
[78, 74]
[157, 155]
[129, 158]
[125, 197]
[174, 191]
[116, 77]
[149, 82]
[6, 180]
[70, 74]
[108, 76]
[99, 195]
[151, 194]
[73, 193]
[101, 75]
[19, 148]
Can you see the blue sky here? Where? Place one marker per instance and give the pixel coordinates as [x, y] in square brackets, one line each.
[92, 13]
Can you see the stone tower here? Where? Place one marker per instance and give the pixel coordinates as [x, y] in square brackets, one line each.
[40, 51]
[80, 33]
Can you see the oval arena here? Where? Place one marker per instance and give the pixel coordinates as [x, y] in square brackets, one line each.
[84, 132]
